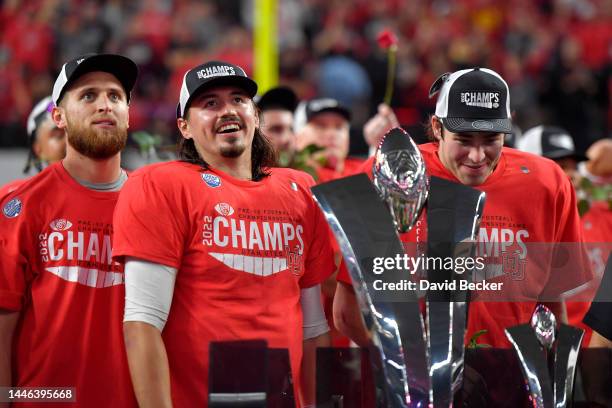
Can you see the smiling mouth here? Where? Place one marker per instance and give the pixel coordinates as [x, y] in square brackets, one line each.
[228, 128]
[475, 167]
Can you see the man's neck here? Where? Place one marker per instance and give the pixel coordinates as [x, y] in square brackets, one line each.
[237, 168]
[83, 168]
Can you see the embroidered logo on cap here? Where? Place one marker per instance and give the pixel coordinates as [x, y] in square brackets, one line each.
[482, 125]
[215, 71]
[211, 180]
[489, 100]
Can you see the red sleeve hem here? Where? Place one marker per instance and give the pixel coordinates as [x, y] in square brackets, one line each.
[11, 300]
[315, 280]
[120, 253]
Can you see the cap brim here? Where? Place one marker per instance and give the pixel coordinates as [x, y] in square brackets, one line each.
[124, 69]
[559, 154]
[244, 83]
[336, 109]
[459, 125]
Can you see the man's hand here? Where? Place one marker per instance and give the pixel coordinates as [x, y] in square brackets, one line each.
[600, 158]
[378, 125]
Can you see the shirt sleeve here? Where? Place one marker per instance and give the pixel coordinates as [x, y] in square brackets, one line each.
[150, 221]
[319, 264]
[14, 265]
[570, 265]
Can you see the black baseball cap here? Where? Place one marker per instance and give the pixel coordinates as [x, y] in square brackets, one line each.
[123, 68]
[473, 100]
[280, 97]
[316, 106]
[212, 73]
[551, 142]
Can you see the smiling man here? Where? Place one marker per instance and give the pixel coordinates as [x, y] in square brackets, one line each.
[61, 295]
[530, 206]
[237, 247]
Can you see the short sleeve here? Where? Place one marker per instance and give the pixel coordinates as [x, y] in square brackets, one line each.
[13, 260]
[319, 264]
[571, 267]
[149, 222]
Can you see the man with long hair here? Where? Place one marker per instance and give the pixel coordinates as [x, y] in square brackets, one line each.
[229, 241]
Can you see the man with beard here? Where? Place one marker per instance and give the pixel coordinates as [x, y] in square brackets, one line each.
[232, 243]
[61, 295]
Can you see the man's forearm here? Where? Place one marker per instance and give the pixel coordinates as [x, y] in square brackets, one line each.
[347, 316]
[148, 364]
[308, 376]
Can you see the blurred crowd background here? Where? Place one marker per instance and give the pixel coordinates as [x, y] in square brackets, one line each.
[554, 54]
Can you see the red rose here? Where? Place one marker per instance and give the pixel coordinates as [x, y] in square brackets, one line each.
[386, 38]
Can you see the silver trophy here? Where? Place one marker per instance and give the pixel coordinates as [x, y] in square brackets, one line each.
[400, 178]
[412, 367]
[548, 354]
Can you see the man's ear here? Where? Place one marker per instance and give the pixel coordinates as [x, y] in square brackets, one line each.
[436, 127]
[183, 127]
[58, 115]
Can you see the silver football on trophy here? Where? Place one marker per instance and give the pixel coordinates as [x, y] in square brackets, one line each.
[400, 178]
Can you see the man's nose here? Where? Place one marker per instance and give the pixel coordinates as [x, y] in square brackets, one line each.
[476, 154]
[104, 103]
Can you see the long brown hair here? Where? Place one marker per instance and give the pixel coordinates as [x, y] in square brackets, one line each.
[263, 155]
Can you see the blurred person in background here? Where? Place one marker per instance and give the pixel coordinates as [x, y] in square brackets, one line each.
[277, 106]
[47, 142]
[327, 127]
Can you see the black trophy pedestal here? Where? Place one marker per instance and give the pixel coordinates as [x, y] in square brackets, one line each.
[492, 378]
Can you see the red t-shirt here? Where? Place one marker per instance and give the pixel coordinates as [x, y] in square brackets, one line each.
[10, 187]
[243, 251]
[529, 201]
[56, 270]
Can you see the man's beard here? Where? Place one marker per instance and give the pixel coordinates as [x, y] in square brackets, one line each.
[233, 151]
[96, 143]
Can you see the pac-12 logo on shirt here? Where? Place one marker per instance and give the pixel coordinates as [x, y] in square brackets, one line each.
[224, 209]
[12, 208]
[211, 180]
[60, 224]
